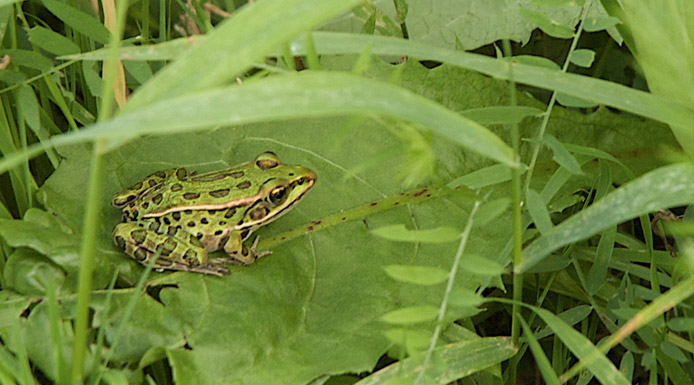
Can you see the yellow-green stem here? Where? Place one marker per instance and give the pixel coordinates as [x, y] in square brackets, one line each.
[91, 216]
[87, 264]
[517, 229]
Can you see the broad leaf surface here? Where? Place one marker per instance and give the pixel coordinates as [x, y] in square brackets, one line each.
[447, 23]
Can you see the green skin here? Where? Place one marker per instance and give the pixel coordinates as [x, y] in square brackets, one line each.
[186, 216]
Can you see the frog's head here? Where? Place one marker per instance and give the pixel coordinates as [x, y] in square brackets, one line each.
[282, 186]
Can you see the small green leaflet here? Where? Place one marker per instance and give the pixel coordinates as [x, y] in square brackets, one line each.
[441, 234]
[418, 275]
[464, 297]
[582, 57]
[562, 155]
[481, 265]
[410, 315]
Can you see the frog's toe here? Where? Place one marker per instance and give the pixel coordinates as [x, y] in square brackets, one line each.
[263, 253]
[219, 271]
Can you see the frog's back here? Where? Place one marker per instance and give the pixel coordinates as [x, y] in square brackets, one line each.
[240, 185]
[233, 187]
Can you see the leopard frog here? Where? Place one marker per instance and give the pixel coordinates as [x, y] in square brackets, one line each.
[186, 216]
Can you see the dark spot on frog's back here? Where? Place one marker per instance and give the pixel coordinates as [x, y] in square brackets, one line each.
[157, 199]
[230, 213]
[120, 242]
[138, 236]
[208, 178]
[191, 195]
[190, 255]
[167, 247]
[195, 240]
[236, 174]
[140, 254]
[177, 187]
[118, 202]
[181, 173]
[154, 226]
[220, 193]
[243, 185]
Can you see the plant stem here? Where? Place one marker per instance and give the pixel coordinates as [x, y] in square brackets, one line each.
[89, 230]
[517, 199]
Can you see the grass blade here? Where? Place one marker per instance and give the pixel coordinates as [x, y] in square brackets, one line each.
[301, 95]
[332, 43]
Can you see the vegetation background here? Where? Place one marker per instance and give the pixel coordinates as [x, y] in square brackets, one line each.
[504, 191]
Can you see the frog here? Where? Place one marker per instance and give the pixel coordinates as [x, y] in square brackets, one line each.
[183, 216]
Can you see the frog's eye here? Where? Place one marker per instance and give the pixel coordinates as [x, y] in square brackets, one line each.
[278, 195]
[267, 160]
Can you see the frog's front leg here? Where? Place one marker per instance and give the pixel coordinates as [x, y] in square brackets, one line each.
[129, 194]
[239, 252]
[179, 250]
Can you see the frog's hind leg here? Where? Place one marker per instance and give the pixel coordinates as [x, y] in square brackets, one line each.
[131, 193]
[176, 253]
[212, 269]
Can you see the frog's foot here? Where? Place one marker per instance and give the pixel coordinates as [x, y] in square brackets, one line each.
[240, 254]
[256, 254]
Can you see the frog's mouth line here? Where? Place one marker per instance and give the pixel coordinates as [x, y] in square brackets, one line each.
[297, 200]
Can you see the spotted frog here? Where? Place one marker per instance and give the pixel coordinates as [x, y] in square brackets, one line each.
[186, 216]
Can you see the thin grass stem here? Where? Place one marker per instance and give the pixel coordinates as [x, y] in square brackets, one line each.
[449, 287]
